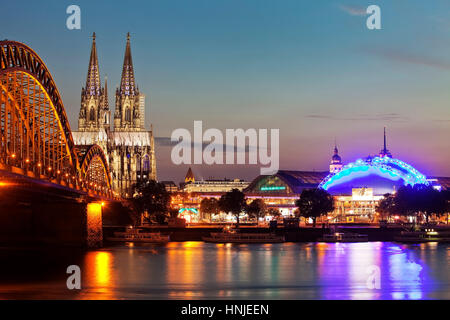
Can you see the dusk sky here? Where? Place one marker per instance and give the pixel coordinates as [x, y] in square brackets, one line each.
[310, 68]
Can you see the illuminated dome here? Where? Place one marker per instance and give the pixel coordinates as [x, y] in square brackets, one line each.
[382, 174]
[336, 159]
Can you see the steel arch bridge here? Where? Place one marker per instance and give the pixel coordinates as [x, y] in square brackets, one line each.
[35, 136]
[94, 167]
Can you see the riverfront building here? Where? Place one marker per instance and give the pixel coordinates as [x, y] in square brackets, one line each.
[357, 187]
[218, 186]
[193, 191]
[281, 190]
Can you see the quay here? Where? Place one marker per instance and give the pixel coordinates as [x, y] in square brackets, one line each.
[302, 234]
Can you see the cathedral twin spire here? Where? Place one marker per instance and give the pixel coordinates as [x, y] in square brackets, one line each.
[129, 113]
[129, 147]
[95, 113]
[127, 82]
[93, 85]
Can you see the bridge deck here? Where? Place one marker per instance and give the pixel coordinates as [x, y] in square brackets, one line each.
[24, 184]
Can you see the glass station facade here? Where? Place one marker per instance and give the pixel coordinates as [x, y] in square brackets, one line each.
[281, 190]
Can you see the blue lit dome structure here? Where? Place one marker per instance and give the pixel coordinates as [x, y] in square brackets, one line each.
[383, 174]
[336, 159]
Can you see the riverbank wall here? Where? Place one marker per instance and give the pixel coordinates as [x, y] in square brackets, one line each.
[307, 234]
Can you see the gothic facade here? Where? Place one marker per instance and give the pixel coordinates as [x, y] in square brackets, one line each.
[129, 146]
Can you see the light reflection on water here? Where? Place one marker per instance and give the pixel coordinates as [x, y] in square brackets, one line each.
[197, 270]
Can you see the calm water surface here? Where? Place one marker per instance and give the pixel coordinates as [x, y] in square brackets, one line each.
[197, 270]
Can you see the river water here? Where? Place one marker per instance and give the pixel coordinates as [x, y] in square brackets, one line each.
[197, 270]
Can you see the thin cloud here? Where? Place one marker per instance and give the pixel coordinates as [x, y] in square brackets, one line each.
[164, 141]
[167, 142]
[404, 57]
[353, 10]
[361, 117]
[442, 120]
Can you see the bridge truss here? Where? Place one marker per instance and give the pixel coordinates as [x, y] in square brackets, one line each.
[35, 136]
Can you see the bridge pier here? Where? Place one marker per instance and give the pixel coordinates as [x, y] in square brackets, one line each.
[52, 222]
[94, 225]
[67, 223]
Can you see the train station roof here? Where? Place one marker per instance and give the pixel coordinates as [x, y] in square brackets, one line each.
[286, 182]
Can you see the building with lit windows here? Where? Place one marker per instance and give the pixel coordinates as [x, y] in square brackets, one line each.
[215, 185]
[191, 192]
[170, 186]
[281, 190]
[211, 185]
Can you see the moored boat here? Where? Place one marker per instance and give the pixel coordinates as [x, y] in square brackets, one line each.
[344, 237]
[426, 235]
[240, 237]
[134, 235]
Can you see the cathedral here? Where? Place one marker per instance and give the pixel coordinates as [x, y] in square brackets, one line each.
[129, 147]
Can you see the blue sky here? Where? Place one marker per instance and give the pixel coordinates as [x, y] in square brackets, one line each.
[310, 68]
